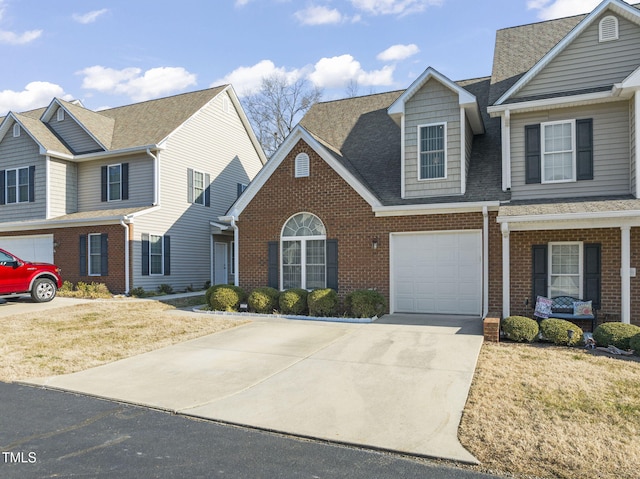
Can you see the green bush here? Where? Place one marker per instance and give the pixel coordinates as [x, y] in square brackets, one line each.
[365, 303]
[615, 334]
[293, 301]
[264, 300]
[634, 343]
[322, 302]
[555, 330]
[165, 289]
[225, 297]
[520, 328]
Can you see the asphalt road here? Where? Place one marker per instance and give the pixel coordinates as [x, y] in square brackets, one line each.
[45, 433]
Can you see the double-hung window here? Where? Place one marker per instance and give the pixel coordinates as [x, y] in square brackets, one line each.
[198, 187]
[432, 151]
[156, 254]
[17, 185]
[558, 151]
[114, 187]
[565, 269]
[95, 254]
[303, 252]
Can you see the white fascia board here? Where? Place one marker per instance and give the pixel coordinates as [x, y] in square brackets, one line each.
[245, 122]
[298, 133]
[564, 221]
[436, 209]
[106, 154]
[616, 5]
[550, 103]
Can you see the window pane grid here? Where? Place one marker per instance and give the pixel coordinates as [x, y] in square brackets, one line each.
[155, 254]
[114, 183]
[432, 155]
[95, 250]
[198, 187]
[17, 185]
[558, 152]
[565, 271]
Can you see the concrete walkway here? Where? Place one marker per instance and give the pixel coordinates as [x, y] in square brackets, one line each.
[400, 384]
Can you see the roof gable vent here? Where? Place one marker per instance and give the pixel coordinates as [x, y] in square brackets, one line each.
[608, 29]
[302, 165]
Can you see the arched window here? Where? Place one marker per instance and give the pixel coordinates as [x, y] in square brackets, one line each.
[303, 247]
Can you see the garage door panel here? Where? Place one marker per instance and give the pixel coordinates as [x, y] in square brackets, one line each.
[437, 272]
[29, 248]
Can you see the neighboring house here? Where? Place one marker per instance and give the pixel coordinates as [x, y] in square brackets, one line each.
[127, 196]
[472, 196]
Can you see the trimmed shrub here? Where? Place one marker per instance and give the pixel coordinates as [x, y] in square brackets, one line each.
[365, 303]
[322, 302]
[225, 297]
[634, 343]
[520, 328]
[165, 289]
[615, 334]
[555, 330]
[85, 290]
[293, 301]
[264, 300]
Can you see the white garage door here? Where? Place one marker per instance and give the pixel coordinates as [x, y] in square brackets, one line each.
[29, 248]
[437, 272]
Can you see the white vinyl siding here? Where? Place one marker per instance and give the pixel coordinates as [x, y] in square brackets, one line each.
[63, 187]
[565, 269]
[607, 62]
[432, 104]
[611, 154]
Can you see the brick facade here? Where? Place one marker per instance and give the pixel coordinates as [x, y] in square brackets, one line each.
[349, 219]
[67, 254]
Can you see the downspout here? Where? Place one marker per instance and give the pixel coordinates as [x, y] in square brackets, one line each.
[126, 256]
[485, 262]
[236, 257]
[506, 280]
[156, 178]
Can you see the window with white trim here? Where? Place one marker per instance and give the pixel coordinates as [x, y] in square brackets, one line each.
[198, 187]
[558, 151]
[565, 269]
[114, 182]
[156, 254]
[432, 148]
[302, 165]
[608, 29]
[17, 185]
[94, 253]
[303, 252]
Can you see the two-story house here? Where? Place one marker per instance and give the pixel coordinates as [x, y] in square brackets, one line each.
[470, 196]
[127, 196]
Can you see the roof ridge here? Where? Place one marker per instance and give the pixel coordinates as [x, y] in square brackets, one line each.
[361, 96]
[163, 98]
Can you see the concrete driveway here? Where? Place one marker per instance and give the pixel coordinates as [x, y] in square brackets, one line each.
[24, 304]
[399, 384]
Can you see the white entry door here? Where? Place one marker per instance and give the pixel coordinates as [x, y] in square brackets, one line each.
[220, 260]
[437, 272]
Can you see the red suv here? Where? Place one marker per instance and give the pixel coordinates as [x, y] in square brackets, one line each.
[42, 280]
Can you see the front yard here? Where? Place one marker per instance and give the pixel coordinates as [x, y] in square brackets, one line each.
[533, 410]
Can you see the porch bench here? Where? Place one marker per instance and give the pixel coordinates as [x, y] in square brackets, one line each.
[562, 308]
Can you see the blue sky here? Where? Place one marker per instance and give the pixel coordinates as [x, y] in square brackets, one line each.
[114, 52]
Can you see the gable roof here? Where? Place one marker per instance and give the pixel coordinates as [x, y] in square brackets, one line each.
[522, 52]
[37, 130]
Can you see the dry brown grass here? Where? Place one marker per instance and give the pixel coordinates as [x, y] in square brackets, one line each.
[554, 412]
[66, 340]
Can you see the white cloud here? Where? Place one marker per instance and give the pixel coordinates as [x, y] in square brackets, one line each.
[90, 17]
[246, 80]
[318, 15]
[138, 86]
[398, 52]
[35, 95]
[395, 7]
[337, 72]
[550, 9]
[13, 38]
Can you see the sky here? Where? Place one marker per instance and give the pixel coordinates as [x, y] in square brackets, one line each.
[109, 53]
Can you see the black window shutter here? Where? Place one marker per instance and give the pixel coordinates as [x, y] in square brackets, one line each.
[592, 268]
[2, 180]
[332, 264]
[124, 171]
[189, 185]
[83, 255]
[532, 149]
[103, 182]
[145, 254]
[584, 147]
[32, 184]
[239, 189]
[104, 255]
[207, 190]
[273, 279]
[539, 270]
[167, 255]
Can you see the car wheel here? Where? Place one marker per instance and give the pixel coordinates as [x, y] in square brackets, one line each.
[43, 290]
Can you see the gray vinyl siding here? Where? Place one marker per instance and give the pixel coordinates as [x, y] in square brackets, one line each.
[140, 183]
[468, 143]
[23, 152]
[73, 134]
[633, 135]
[63, 185]
[433, 103]
[213, 142]
[610, 153]
[607, 62]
